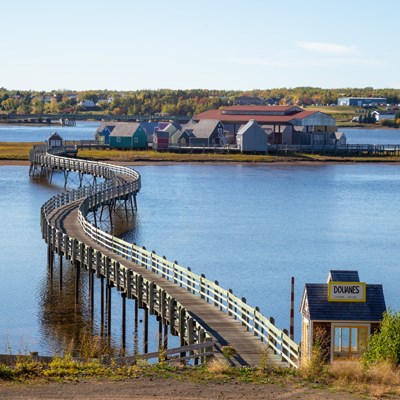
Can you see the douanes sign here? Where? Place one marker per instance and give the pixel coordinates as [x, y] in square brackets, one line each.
[347, 291]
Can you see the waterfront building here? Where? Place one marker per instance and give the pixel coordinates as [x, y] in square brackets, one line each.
[252, 138]
[161, 140]
[55, 140]
[284, 124]
[206, 132]
[103, 132]
[380, 115]
[128, 135]
[362, 101]
[341, 314]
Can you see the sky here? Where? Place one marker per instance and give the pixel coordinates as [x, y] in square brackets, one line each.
[207, 44]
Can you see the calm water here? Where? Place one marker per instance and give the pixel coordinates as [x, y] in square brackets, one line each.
[86, 131]
[23, 133]
[372, 136]
[249, 227]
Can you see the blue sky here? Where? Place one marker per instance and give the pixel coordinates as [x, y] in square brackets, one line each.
[219, 44]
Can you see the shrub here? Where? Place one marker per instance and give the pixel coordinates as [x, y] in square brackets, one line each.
[6, 373]
[314, 368]
[385, 344]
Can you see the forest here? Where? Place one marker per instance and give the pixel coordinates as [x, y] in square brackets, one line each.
[171, 102]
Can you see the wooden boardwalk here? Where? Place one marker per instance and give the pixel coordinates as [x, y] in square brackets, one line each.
[195, 308]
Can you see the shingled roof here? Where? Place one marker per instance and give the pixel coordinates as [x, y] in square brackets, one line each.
[203, 129]
[343, 276]
[125, 129]
[320, 309]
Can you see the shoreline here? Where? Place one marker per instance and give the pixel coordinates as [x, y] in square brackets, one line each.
[26, 163]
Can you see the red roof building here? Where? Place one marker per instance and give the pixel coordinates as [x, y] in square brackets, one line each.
[284, 124]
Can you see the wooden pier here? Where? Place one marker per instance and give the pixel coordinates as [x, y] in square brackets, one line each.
[188, 305]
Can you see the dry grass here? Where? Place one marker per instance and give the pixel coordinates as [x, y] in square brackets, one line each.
[218, 367]
[20, 151]
[382, 379]
[15, 150]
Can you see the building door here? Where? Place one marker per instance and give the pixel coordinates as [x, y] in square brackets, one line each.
[349, 341]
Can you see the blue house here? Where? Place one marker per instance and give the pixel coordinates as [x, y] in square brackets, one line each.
[104, 131]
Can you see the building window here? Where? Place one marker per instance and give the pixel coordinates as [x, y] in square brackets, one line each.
[135, 140]
[118, 139]
[349, 341]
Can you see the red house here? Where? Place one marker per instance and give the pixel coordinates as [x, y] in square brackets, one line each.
[161, 140]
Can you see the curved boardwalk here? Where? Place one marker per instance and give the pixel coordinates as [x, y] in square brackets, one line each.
[194, 308]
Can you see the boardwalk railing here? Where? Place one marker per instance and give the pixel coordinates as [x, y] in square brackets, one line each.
[124, 278]
[337, 148]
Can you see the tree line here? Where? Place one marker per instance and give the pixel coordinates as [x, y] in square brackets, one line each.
[172, 102]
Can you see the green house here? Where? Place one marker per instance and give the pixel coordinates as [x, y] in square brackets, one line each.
[128, 135]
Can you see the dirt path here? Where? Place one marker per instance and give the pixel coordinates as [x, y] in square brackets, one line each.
[163, 389]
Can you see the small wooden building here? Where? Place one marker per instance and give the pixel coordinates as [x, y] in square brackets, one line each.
[343, 313]
[207, 132]
[181, 137]
[161, 140]
[103, 132]
[55, 140]
[252, 138]
[128, 135]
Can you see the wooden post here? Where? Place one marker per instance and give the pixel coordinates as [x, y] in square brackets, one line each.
[101, 304]
[151, 298]
[146, 331]
[292, 309]
[91, 291]
[123, 298]
[230, 291]
[216, 295]
[243, 313]
[160, 326]
[256, 325]
[270, 339]
[202, 276]
[77, 278]
[108, 296]
[284, 345]
[171, 315]
[181, 328]
[165, 339]
[60, 260]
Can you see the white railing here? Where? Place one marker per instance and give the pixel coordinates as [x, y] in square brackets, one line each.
[198, 285]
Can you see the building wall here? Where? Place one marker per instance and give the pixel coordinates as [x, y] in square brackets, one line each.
[120, 142]
[253, 140]
[139, 140]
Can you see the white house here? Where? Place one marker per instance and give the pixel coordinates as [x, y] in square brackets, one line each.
[87, 103]
[380, 115]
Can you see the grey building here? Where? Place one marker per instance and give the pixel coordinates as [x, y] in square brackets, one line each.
[207, 132]
[361, 101]
[252, 138]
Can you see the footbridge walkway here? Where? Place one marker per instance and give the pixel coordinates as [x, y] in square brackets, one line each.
[193, 307]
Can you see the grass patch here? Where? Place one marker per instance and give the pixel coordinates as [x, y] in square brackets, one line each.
[15, 150]
[20, 152]
[382, 379]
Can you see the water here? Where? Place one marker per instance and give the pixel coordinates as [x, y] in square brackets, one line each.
[24, 133]
[372, 136]
[86, 131]
[249, 227]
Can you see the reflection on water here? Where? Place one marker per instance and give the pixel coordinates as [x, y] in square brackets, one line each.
[249, 227]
